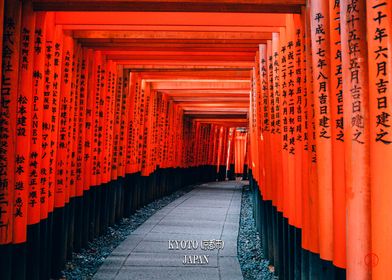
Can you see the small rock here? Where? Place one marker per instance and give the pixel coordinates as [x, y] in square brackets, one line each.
[250, 252]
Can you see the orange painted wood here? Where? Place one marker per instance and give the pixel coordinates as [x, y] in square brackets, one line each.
[51, 49]
[259, 115]
[69, 76]
[379, 28]
[36, 138]
[96, 95]
[112, 117]
[132, 133]
[292, 6]
[173, 45]
[82, 174]
[46, 184]
[267, 123]
[322, 86]
[23, 125]
[148, 131]
[305, 164]
[104, 119]
[190, 35]
[76, 189]
[62, 191]
[118, 113]
[194, 27]
[73, 121]
[312, 199]
[253, 124]
[1, 30]
[290, 118]
[9, 89]
[142, 116]
[314, 101]
[277, 128]
[89, 122]
[240, 148]
[123, 79]
[185, 63]
[356, 131]
[55, 120]
[337, 136]
[299, 85]
[169, 19]
[284, 119]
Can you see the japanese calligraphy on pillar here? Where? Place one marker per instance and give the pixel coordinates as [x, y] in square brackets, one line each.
[380, 42]
[356, 132]
[320, 36]
[23, 125]
[104, 114]
[143, 122]
[95, 114]
[61, 192]
[337, 122]
[276, 142]
[305, 90]
[9, 88]
[320, 56]
[125, 104]
[133, 124]
[354, 49]
[336, 72]
[290, 97]
[112, 108]
[379, 39]
[262, 80]
[45, 194]
[299, 77]
[88, 126]
[36, 140]
[270, 99]
[55, 115]
[80, 167]
[284, 91]
[117, 142]
[73, 120]
[276, 84]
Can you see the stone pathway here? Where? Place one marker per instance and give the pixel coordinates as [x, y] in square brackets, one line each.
[210, 211]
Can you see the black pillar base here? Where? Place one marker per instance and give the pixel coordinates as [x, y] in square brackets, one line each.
[281, 244]
[6, 261]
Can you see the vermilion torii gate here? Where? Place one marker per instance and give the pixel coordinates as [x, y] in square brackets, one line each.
[107, 105]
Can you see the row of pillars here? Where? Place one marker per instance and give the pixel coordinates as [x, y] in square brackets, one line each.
[52, 241]
[84, 142]
[320, 135]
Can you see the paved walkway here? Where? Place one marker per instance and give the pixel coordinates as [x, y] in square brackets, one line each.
[210, 211]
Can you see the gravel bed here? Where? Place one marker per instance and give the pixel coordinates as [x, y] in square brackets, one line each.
[86, 263]
[250, 252]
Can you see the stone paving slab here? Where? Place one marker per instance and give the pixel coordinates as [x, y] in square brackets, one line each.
[159, 273]
[163, 260]
[210, 211]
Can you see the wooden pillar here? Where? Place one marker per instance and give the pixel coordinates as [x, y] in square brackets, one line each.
[379, 38]
[356, 133]
[337, 125]
[320, 36]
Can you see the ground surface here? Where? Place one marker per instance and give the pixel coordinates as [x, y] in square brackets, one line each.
[208, 212]
[86, 263]
[250, 252]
